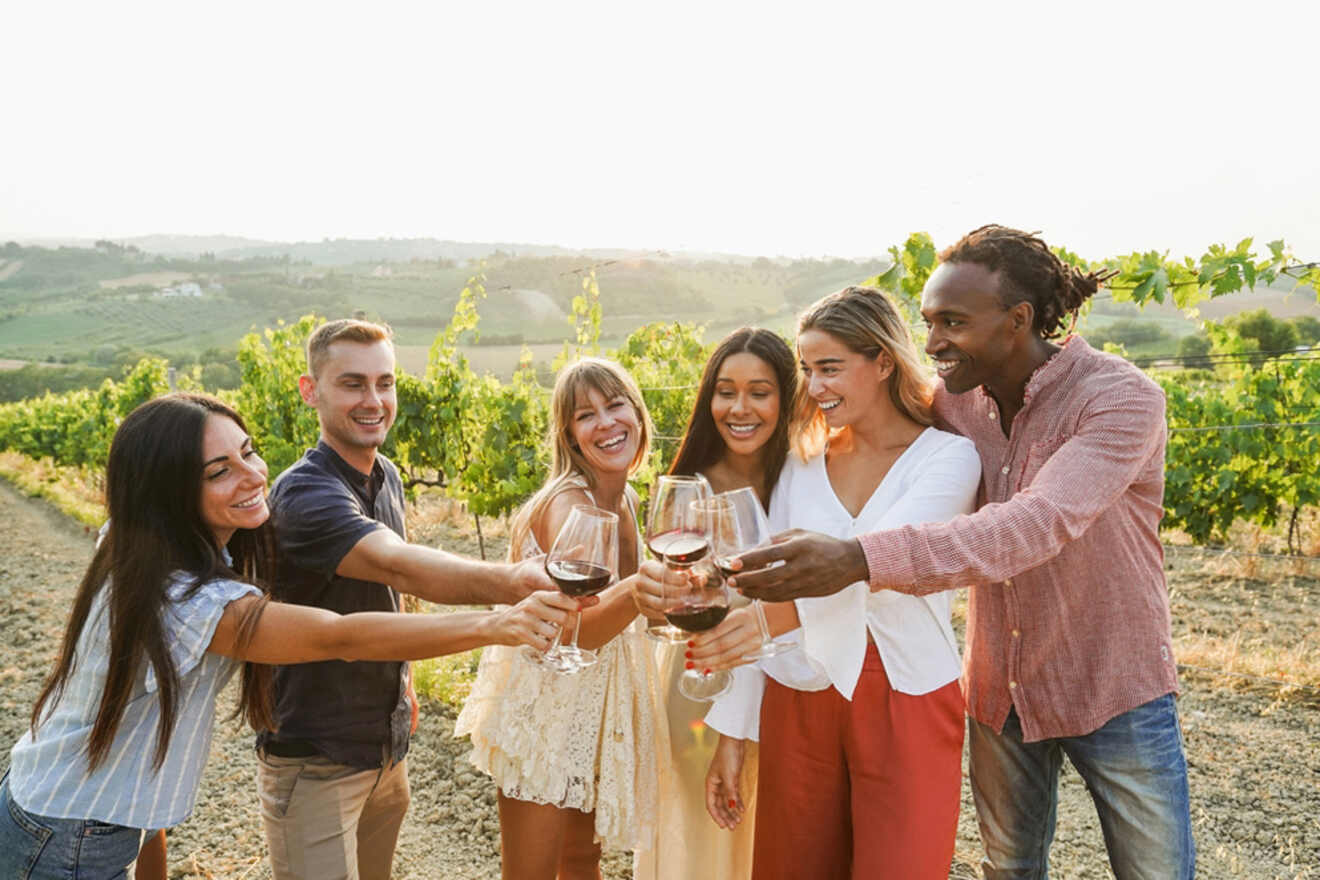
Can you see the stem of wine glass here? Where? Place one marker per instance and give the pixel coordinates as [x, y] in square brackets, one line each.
[761, 622]
[577, 625]
[555, 642]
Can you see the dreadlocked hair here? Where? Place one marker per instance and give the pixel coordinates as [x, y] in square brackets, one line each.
[1029, 272]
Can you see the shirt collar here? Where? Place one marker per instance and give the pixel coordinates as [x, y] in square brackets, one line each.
[352, 475]
[1072, 349]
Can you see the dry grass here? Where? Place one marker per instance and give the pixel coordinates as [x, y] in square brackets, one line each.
[75, 491]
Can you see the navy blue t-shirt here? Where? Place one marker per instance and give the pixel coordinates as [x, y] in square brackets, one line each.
[321, 507]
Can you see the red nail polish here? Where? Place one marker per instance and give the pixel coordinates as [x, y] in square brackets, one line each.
[687, 654]
[690, 665]
[692, 643]
[732, 803]
[706, 671]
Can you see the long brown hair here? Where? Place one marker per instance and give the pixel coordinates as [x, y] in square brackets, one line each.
[153, 492]
[566, 461]
[866, 322]
[702, 444]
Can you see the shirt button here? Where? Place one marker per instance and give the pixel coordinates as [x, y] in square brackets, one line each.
[1008, 583]
[1016, 634]
[1004, 470]
[1012, 685]
[990, 414]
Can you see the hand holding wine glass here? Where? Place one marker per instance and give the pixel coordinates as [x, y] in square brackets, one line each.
[737, 526]
[535, 621]
[699, 605]
[674, 533]
[583, 561]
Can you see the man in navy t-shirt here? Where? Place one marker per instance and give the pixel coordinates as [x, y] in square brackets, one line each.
[332, 777]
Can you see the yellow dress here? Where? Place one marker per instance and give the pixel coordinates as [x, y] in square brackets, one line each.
[688, 843]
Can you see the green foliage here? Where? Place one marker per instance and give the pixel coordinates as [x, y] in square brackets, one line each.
[907, 274]
[1218, 475]
[1194, 345]
[485, 439]
[667, 361]
[1308, 329]
[1129, 333]
[282, 426]
[1270, 333]
[75, 428]
[33, 380]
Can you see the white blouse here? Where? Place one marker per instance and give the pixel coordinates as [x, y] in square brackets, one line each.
[935, 479]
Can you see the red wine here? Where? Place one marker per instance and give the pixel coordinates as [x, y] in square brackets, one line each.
[694, 617]
[577, 578]
[679, 547]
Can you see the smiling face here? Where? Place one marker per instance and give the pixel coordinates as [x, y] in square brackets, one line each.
[846, 385]
[233, 480]
[746, 403]
[354, 398]
[605, 431]
[972, 336]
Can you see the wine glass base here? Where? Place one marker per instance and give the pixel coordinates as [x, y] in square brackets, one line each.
[577, 658]
[667, 634]
[772, 649]
[704, 688]
[551, 661]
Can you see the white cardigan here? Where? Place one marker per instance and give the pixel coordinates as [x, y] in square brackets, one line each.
[934, 480]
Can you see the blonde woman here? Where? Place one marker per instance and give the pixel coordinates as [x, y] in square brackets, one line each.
[861, 731]
[575, 756]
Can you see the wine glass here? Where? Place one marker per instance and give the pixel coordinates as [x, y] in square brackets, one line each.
[736, 526]
[700, 604]
[674, 534]
[583, 561]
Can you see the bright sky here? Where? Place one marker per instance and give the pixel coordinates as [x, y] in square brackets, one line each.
[759, 127]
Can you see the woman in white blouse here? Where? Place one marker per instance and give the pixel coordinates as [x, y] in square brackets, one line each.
[861, 731]
[168, 610]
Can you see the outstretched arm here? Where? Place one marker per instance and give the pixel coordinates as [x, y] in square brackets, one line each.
[440, 577]
[287, 634]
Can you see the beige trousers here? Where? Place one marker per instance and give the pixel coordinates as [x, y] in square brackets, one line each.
[327, 821]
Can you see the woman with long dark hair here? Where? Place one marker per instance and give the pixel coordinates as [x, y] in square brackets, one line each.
[172, 604]
[737, 436]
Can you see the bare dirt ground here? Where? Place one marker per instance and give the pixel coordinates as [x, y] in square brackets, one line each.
[1254, 753]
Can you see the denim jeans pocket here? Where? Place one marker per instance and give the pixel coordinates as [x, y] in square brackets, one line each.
[22, 840]
[107, 847]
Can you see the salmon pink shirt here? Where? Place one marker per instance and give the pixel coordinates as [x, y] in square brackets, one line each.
[1068, 616]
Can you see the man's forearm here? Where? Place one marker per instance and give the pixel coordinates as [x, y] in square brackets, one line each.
[447, 579]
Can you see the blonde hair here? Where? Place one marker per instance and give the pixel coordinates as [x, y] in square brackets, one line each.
[567, 464]
[865, 320]
[349, 329]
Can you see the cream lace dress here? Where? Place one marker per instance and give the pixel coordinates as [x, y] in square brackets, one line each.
[587, 741]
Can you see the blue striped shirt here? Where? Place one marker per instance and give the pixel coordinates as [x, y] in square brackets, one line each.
[48, 771]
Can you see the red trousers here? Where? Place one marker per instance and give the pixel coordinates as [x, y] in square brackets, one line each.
[859, 790]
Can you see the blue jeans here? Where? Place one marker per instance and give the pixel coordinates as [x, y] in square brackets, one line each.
[1135, 770]
[40, 848]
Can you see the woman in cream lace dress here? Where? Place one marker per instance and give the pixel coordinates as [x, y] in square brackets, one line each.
[576, 756]
[737, 436]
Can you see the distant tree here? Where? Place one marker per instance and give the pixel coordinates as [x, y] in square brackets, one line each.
[1128, 332]
[1195, 345]
[217, 376]
[1308, 329]
[1270, 333]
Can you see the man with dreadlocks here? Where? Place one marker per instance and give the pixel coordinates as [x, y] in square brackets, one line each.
[1069, 650]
